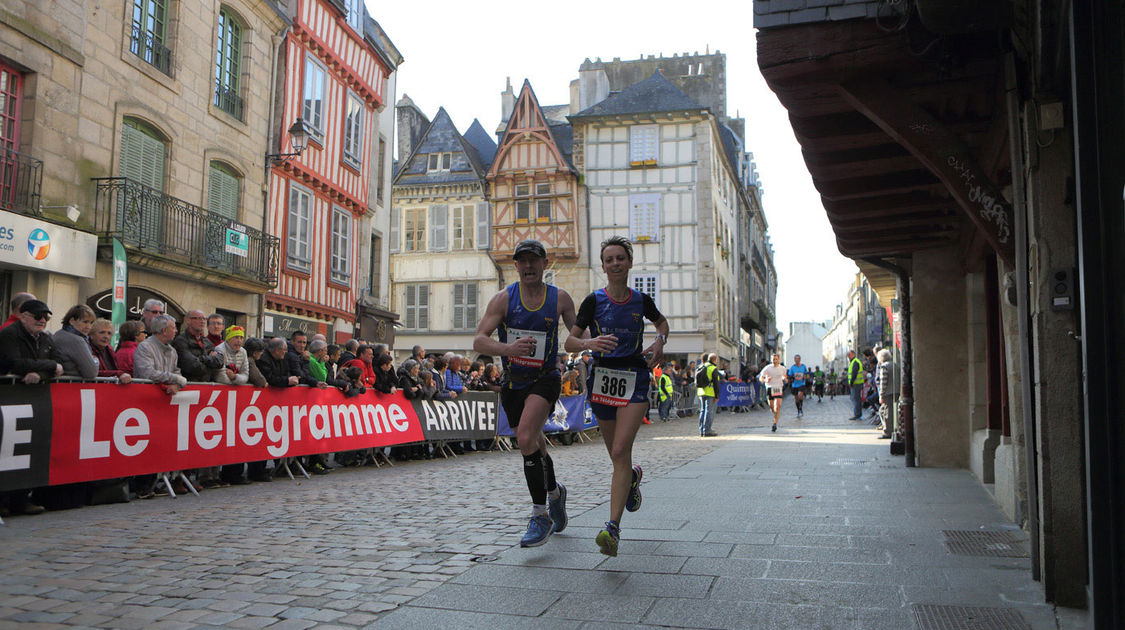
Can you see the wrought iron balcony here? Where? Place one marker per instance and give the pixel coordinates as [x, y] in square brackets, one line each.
[146, 46]
[21, 181]
[147, 220]
[229, 101]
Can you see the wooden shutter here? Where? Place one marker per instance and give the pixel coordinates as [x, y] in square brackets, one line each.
[396, 215]
[423, 306]
[439, 231]
[470, 311]
[222, 192]
[458, 306]
[411, 307]
[483, 225]
[142, 156]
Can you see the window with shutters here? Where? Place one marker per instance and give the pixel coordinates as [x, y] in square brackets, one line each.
[644, 217]
[483, 227]
[143, 155]
[439, 162]
[149, 34]
[643, 145]
[417, 307]
[297, 255]
[13, 190]
[353, 131]
[380, 181]
[647, 284]
[464, 306]
[439, 228]
[312, 108]
[340, 264]
[223, 190]
[228, 57]
[414, 229]
[461, 227]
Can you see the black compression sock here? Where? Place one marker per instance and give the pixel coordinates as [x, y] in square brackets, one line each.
[536, 481]
[549, 468]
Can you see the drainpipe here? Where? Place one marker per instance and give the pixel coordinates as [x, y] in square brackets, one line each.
[278, 42]
[906, 397]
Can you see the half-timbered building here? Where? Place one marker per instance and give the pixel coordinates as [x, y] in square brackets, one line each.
[535, 193]
[441, 271]
[322, 201]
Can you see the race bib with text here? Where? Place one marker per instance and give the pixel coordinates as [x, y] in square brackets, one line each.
[539, 350]
[613, 387]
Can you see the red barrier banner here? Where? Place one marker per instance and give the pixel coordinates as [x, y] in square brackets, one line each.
[107, 431]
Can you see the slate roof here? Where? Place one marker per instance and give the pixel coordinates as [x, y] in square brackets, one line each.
[731, 146]
[654, 94]
[483, 143]
[564, 140]
[555, 114]
[441, 137]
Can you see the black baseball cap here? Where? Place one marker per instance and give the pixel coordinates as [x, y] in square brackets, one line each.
[530, 246]
[35, 307]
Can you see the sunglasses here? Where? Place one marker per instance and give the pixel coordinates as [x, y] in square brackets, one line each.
[43, 317]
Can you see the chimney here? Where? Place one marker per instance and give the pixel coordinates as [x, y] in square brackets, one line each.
[507, 102]
[593, 87]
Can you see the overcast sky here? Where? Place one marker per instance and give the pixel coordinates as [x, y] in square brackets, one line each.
[459, 53]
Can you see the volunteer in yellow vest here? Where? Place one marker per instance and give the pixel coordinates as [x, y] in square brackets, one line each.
[855, 378]
[707, 388]
[664, 386]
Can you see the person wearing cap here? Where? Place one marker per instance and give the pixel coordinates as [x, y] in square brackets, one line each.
[28, 351]
[526, 317]
[235, 369]
[14, 307]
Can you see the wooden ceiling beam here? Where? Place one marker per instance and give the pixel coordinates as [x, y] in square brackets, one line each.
[845, 226]
[944, 152]
[875, 186]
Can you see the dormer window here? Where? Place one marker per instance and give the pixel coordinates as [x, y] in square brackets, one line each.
[439, 162]
[355, 15]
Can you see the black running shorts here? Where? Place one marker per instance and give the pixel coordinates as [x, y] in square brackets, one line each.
[512, 400]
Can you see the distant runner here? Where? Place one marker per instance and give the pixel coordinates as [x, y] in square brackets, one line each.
[798, 377]
[818, 382]
[774, 377]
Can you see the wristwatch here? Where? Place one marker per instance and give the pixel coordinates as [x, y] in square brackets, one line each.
[663, 338]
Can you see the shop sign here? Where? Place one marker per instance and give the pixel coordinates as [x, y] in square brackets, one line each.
[30, 243]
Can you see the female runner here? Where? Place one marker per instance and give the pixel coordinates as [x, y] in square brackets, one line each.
[619, 379]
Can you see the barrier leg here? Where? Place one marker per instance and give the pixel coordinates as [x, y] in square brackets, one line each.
[285, 467]
[300, 468]
[189, 484]
[167, 484]
[383, 456]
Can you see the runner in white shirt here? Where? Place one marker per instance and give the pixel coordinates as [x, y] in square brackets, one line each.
[774, 377]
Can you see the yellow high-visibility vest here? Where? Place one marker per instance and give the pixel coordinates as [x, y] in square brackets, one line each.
[857, 377]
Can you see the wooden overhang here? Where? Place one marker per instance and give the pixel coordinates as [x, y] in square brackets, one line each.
[904, 133]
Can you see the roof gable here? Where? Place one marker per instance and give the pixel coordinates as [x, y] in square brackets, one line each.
[527, 120]
[654, 94]
[441, 137]
[482, 142]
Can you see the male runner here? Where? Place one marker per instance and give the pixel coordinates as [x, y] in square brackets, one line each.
[832, 383]
[526, 317]
[774, 377]
[818, 382]
[798, 376]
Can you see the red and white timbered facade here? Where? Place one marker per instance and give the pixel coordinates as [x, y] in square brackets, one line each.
[535, 190]
[334, 80]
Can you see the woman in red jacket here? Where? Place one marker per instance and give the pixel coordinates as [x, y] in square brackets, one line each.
[132, 333]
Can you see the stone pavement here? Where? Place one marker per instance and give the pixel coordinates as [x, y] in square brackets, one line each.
[815, 526]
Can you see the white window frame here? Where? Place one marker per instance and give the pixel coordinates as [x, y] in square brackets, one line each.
[461, 226]
[540, 206]
[465, 311]
[439, 162]
[644, 217]
[647, 283]
[298, 248]
[644, 145]
[415, 308]
[340, 259]
[313, 70]
[355, 15]
[408, 244]
[353, 130]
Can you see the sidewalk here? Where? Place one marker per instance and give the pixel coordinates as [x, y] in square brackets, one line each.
[813, 527]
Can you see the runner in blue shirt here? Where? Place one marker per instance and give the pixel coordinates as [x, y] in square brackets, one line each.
[526, 317]
[620, 376]
[798, 377]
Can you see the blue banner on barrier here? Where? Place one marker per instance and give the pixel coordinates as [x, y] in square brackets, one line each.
[571, 414]
[736, 394]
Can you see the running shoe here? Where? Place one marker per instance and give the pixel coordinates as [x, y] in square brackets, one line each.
[633, 501]
[556, 508]
[538, 531]
[607, 539]
[774, 429]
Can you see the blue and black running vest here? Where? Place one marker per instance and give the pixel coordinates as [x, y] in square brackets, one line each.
[520, 372]
[624, 320]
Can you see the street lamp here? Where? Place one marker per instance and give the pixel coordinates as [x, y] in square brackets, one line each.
[299, 138]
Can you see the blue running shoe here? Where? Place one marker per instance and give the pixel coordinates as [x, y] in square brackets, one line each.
[538, 531]
[608, 538]
[633, 501]
[557, 509]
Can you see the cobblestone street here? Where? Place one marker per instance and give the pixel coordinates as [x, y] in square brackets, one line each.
[812, 527]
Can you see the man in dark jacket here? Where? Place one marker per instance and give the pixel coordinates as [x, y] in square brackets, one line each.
[197, 358]
[351, 349]
[26, 350]
[298, 359]
[274, 366]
